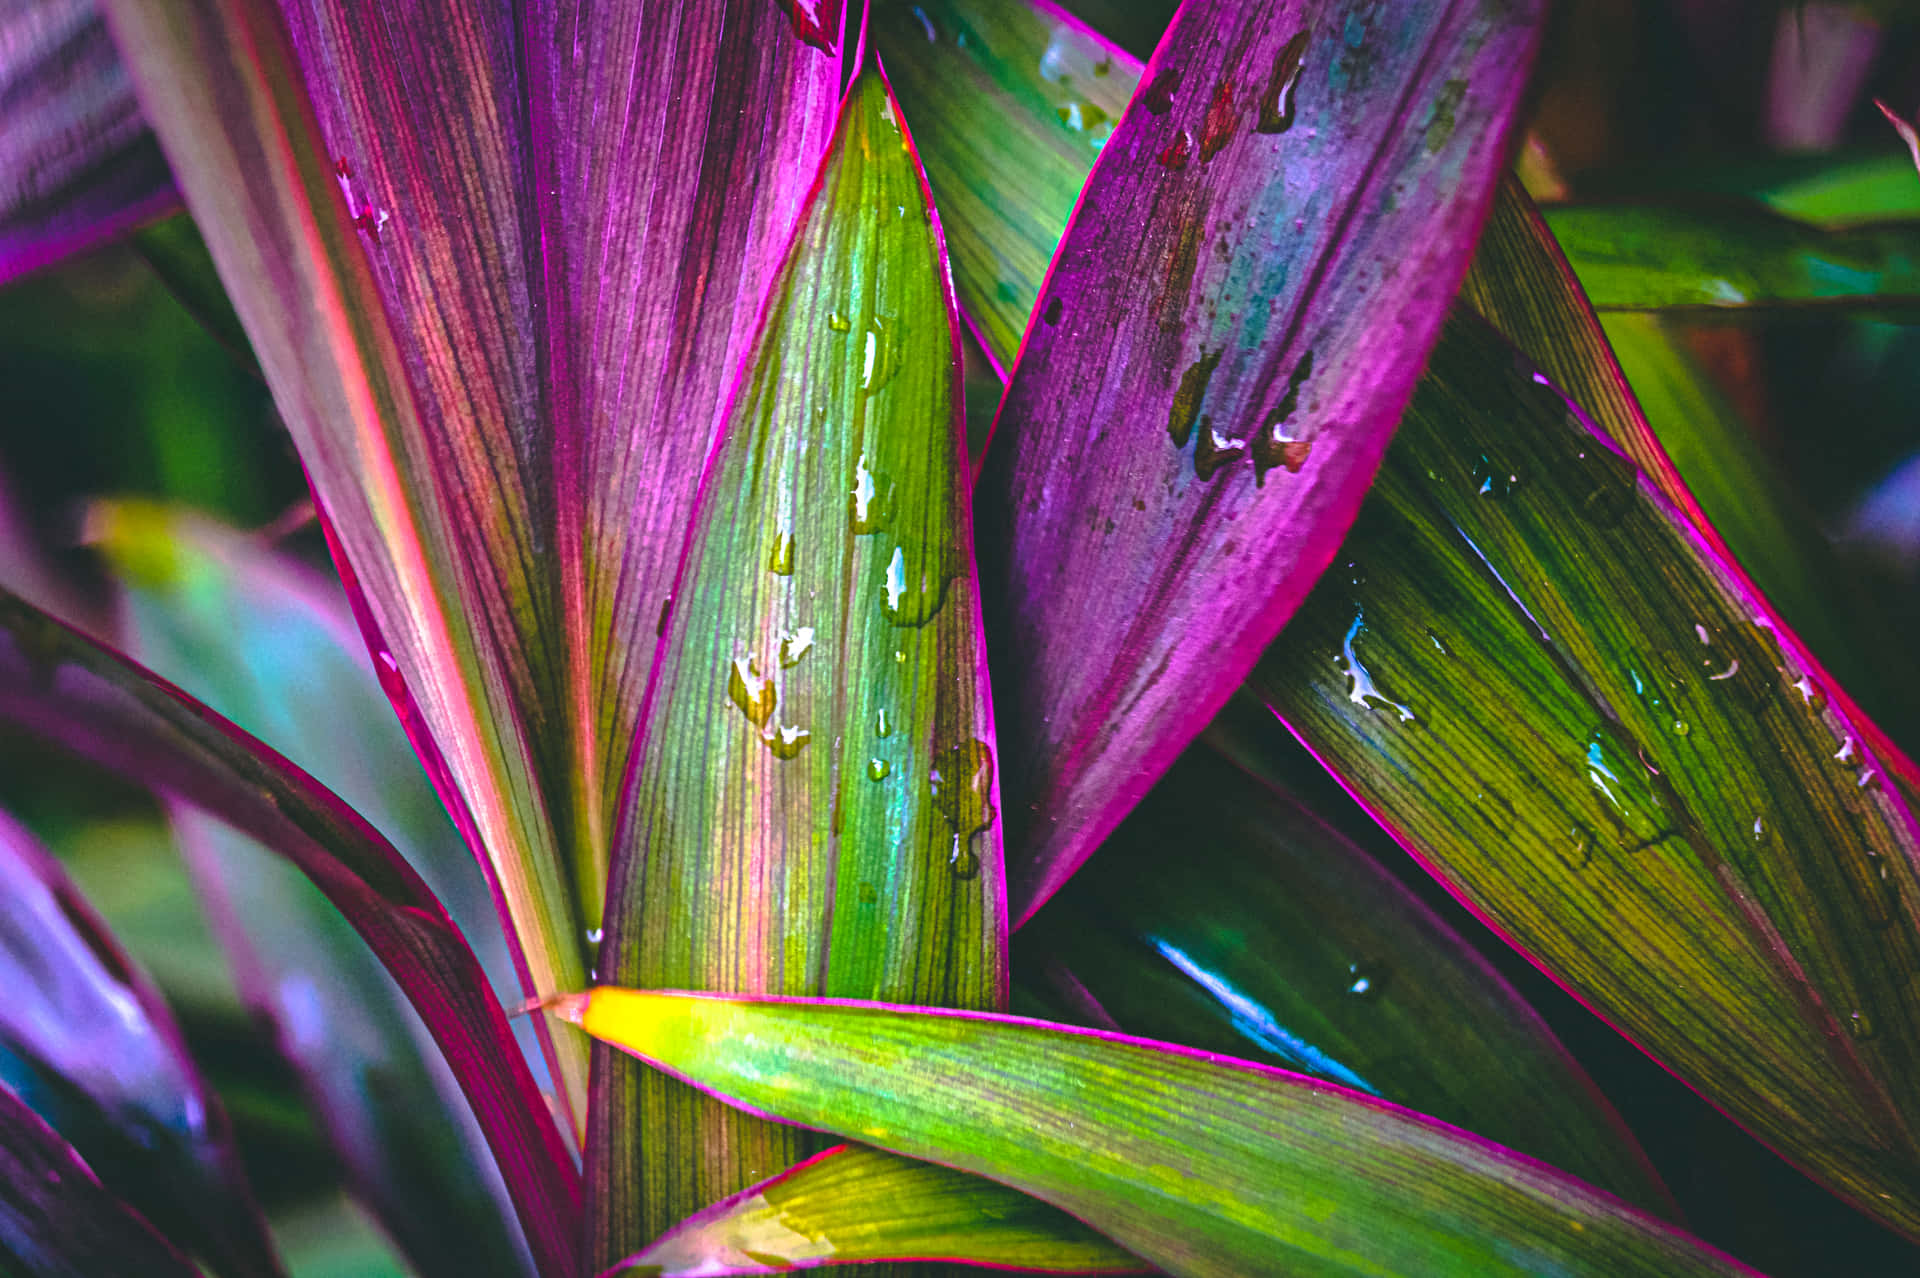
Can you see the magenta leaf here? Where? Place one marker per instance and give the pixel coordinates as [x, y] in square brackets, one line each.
[94, 702]
[1236, 316]
[55, 1219]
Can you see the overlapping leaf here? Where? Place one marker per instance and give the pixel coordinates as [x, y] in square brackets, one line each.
[1223, 915]
[77, 164]
[815, 808]
[71, 691]
[273, 646]
[1259, 259]
[1200, 1164]
[1543, 683]
[86, 1039]
[853, 1204]
[55, 1219]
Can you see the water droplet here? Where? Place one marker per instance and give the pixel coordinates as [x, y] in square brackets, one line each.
[1187, 396]
[1366, 980]
[880, 353]
[752, 692]
[896, 584]
[915, 589]
[1158, 97]
[1869, 779]
[1810, 694]
[1680, 728]
[787, 742]
[1759, 830]
[1051, 314]
[593, 935]
[1849, 753]
[794, 645]
[1082, 117]
[961, 783]
[1214, 450]
[1277, 103]
[1625, 782]
[1273, 444]
[1861, 1026]
[1217, 130]
[1492, 479]
[838, 322]
[878, 769]
[964, 862]
[780, 557]
[870, 501]
[1439, 647]
[1361, 689]
[1174, 155]
[882, 726]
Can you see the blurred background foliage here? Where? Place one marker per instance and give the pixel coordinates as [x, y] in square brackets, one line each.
[114, 388]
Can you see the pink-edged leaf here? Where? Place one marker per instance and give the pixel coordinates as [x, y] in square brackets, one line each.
[77, 163]
[813, 806]
[55, 1219]
[105, 1063]
[1200, 1164]
[261, 638]
[1260, 259]
[90, 700]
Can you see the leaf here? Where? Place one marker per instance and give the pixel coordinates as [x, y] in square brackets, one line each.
[77, 164]
[1223, 915]
[852, 1204]
[86, 1039]
[179, 256]
[1198, 1163]
[1908, 132]
[88, 699]
[815, 807]
[1546, 686]
[55, 1219]
[1658, 257]
[262, 639]
[1263, 295]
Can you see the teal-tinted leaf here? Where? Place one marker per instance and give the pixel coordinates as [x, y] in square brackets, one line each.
[1547, 687]
[90, 700]
[1223, 915]
[1200, 1164]
[55, 1219]
[87, 1041]
[268, 643]
[1260, 257]
[853, 1204]
[77, 164]
[1655, 257]
[815, 808]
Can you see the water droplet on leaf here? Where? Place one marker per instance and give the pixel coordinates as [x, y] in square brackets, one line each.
[1277, 103]
[752, 692]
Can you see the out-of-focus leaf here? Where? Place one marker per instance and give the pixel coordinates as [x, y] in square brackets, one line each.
[1522, 284]
[1557, 697]
[1261, 255]
[1200, 1164]
[1760, 516]
[262, 640]
[177, 254]
[55, 1219]
[1908, 131]
[852, 1204]
[1223, 915]
[89, 1043]
[1654, 257]
[814, 809]
[77, 164]
[96, 703]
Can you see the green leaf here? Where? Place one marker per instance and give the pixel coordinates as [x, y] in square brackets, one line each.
[1223, 915]
[1200, 1164]
[815, 809]
[1562, 701]
[179, 256]
[263, 640]
[853, 1204]
[1655, 257]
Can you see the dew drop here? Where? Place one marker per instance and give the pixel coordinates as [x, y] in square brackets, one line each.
[870, 500]
[880, 354]
[1849, 753]
[1275, 445]
[794, 645]
[1214, 451]
[787, 742]
[1810, 694]
[1174, 155]
[963, 861]
[1366, 980]
[1277, 103]
[878, 769]
[1158, 97]
[1187, 396]
[961, 783]
[1492, 479]
[593, 935]
[1861, 1026]
[1361, 689]
[838, 322]
[1680, 728]
[780, 556]
[1217, 130]
[882, 726]
[752, 692]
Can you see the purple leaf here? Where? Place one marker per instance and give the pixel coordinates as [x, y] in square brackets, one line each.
[1234, 321]
[77, 164]
[55, 1219]
[106, 1063]
[88, 699]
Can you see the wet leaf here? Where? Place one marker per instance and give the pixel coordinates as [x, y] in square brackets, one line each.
[90, 700]
[852, 1204]
[1261, 254]
[1223, 915]
[86, 1039]
[1616, 755]
[1197, 1163]
[815, 808]
[273, 645]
